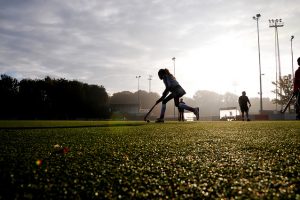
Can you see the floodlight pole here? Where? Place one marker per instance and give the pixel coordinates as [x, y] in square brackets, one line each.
[276, 62]
[174, 75]
[292, 37]
[275, 23]
[260, 84]
[150, 78]
[138, 77]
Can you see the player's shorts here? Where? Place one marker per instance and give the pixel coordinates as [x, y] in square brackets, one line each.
[244, 108]
[178, 91]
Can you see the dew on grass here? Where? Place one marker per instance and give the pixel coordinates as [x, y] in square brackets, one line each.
[204, 160]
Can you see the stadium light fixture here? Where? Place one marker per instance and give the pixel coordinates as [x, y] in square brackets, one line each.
[256, 18]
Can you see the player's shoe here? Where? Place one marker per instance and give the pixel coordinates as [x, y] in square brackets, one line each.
[196, 112]
[159, 120]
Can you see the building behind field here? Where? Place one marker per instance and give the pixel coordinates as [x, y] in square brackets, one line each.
[189, 116]
[229, 113]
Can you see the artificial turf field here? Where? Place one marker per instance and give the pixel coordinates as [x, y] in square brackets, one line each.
[136, 160]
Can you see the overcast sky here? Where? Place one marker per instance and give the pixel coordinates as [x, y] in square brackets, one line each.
[111, 42]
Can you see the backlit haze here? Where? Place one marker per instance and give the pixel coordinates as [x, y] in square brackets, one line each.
[109, 43]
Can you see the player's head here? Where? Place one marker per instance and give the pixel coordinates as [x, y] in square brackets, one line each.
[181, 99]
[243, 93]
[163, 72]
[298, 61]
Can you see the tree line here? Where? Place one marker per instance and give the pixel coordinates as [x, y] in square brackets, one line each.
[51, 98]
[209, 102]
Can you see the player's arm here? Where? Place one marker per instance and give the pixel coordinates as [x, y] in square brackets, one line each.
[165, 93]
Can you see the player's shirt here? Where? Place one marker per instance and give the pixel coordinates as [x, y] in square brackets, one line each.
[172, 86]
[243, 100]
[170, 82]
[180, 109]
[297, 80]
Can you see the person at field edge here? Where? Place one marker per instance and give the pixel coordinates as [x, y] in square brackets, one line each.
[296, 90]
[176, 92]
[181, 110]
[243, 102]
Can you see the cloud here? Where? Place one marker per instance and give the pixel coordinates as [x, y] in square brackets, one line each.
[110, 42]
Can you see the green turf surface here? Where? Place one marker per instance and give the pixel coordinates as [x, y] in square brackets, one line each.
[204, 160]
[21, 124]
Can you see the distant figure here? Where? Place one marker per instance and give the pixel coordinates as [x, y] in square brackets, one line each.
[296, 90]
[181, 110]
[243, 102]
[176, 92]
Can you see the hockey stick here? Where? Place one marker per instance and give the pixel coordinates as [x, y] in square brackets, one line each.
[145, 118]
[287, 105]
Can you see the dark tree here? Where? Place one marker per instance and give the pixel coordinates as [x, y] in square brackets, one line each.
[52, 99]
[8, 101]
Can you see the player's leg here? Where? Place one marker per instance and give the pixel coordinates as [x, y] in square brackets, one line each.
[242, 111]
[163, 108]
[191, 109]
[247, 113]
